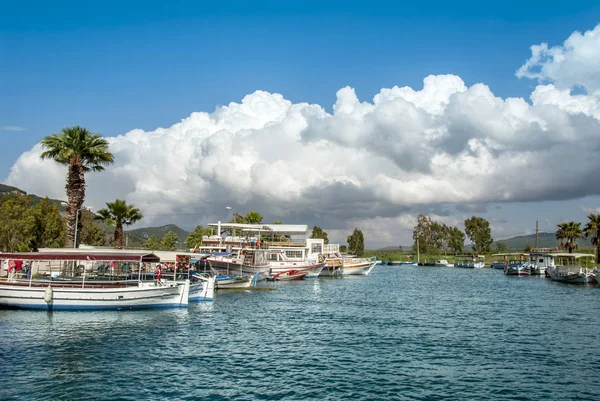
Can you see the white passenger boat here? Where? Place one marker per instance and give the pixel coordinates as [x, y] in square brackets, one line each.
[540, 262]
[569, 270]
[94, 294]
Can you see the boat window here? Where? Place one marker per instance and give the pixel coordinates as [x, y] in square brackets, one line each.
[294, 254]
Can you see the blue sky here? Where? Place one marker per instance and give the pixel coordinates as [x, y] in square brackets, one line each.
[115, 66]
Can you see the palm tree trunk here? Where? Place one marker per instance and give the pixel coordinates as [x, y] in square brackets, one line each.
[119, 236]
[75, 197]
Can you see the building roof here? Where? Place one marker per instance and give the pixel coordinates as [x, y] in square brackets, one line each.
[77, 255]
[280, 229]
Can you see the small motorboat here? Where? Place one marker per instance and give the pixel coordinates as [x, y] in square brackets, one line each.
[288, 275]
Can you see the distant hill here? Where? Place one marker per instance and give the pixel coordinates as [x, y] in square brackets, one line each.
[7, 189]
[545, 240]
[139, 236]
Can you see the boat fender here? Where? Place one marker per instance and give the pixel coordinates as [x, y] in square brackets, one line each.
[48, 294]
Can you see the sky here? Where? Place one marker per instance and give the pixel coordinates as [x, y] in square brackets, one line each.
[341, 114]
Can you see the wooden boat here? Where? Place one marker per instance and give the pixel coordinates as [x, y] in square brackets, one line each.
[79, 294]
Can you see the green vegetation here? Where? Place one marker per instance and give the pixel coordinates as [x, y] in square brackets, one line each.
[250, 218]
[195, 238]
[567, 233]
[167, 243]
[317, 232]
[25, 227]
[82, 151]
[479, 232]
[138, 237]
[592, 229]
[118, 214]
[433, 237]
[356, 243]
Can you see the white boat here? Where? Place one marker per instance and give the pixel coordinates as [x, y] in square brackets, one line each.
[357, 266]
[76, 293]
[517, 268]
[245, 263]
[437, 263]
[470, 261]
[540, 262]
[203, 290]
[570, 271]
[234, 282]
[279, 263]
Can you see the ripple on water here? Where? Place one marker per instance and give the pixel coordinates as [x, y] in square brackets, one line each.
[398, 334]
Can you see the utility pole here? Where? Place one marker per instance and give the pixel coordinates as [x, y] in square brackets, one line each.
[418, 254]
[536, 235]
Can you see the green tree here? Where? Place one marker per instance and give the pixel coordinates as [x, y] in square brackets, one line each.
[423, 233]
[253, 218]
[356, 243]
[456, 242]
[16, 222]
[48, 228]
[195, 238]
[169, 241]
[277, 222]
[93, 232]
[501, 246]
[118, 214]
[479, 232]
[153, 243]
[82, 151]
[343, 248]
[567, 233]
[237, 219]
[317, 232]
[592, 229]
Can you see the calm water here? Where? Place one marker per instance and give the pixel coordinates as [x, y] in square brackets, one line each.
[400, 333]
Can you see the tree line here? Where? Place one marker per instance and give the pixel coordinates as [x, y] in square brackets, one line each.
[433, 237]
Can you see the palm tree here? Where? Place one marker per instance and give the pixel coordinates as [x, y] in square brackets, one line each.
[82, 151]
[592, 228]
[118, 214]
[567, 233]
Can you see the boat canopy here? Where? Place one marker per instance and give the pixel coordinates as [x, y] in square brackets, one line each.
[572, 255]
[279, 229]
[85, 255]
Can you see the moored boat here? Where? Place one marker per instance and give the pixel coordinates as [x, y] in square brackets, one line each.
[288, 275]
[75, 293]
[570, 271]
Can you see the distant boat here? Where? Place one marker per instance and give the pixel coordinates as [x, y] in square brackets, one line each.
[500, 265]
[470, 261]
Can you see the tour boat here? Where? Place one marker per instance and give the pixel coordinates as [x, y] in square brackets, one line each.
[540, 262]
[54, 295]
[569, 272]
[245, 263]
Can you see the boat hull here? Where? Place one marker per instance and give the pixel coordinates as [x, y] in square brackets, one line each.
[202, 291]
[57, 298]
[364, 268]
[233, 282]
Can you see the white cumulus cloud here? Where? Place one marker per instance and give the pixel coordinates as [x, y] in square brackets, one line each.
[372, 164]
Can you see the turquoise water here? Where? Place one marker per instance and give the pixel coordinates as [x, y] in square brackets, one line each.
[400, 333]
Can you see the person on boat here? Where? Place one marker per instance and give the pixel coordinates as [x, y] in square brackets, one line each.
[158, 272]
